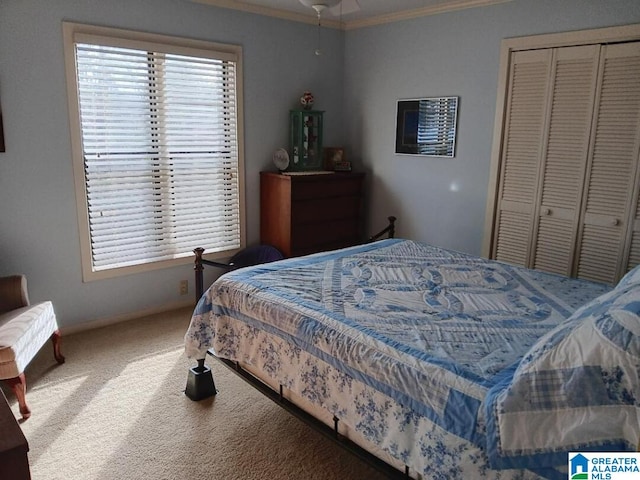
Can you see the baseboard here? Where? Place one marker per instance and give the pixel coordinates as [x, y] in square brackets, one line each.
[103, 322]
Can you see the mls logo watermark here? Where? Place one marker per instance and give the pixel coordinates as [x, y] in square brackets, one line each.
[604, 466]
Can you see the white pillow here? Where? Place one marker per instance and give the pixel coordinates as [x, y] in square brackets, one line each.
[577, 388]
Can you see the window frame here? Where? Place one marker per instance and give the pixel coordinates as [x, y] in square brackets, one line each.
[73, 33]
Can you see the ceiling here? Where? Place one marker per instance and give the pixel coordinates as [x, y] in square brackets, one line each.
[370, 12]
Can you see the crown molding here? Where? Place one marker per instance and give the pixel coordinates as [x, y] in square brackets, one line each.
[420, 12]
[270, 12]
[449, 6]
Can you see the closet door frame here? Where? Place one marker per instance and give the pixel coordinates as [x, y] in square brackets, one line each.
[623, 33]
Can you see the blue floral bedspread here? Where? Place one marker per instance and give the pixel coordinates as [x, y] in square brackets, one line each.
[406, 341]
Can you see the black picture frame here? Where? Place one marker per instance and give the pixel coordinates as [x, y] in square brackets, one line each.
[407, 126]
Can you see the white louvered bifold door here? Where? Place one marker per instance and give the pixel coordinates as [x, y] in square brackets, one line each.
[521, 151]
[574, 76]
[609, 205]
[633, 256]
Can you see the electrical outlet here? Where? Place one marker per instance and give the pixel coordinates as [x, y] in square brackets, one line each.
[184, 287]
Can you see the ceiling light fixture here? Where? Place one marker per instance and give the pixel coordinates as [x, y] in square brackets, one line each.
[320, 3]
[319, 6]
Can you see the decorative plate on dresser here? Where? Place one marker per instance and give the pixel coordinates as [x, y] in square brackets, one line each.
[281, 159]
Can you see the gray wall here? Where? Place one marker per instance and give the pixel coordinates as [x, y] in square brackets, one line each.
[38, 222]
[442, 201]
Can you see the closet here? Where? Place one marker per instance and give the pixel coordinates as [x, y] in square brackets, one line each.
[567, 183]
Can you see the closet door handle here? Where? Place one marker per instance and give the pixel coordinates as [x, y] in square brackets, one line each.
[546, 211]
[615, 222]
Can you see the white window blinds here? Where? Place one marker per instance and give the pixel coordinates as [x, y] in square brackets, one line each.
[437, 126]
[160, 149]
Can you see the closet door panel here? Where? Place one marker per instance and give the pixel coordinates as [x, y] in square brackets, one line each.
[574, 76]
[634, 250]
[554, 251]
[609, 207]
[514, 234]
[599, 252]
[632, 257]
[521, 150]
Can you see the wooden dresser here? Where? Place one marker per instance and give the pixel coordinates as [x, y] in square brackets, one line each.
[302, 214]
[14, 463]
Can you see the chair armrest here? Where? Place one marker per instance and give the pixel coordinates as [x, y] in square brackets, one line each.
[13, 293]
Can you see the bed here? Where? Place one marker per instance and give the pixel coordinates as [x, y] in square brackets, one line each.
[442, 364]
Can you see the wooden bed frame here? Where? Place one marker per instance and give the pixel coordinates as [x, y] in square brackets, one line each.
[200, 382]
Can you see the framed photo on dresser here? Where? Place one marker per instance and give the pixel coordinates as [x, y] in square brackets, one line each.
[332, 157]
[335, 160]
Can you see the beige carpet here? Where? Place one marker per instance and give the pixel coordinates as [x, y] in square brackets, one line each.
[116, 410]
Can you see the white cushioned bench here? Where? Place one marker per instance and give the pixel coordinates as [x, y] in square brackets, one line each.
[24, 329]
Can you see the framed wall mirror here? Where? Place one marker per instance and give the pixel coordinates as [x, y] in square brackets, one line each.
[427, 126]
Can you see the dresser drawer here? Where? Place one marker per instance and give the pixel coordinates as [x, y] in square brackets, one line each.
[314, 237]
[325, 209]
[335, 185]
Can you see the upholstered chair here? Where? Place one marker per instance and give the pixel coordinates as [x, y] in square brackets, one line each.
[24, 329]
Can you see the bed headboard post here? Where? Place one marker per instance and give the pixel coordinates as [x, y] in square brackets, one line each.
[389, 230]
[198, 267]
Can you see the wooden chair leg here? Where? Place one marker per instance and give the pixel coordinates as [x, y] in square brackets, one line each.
[19, 386]
[55, 339]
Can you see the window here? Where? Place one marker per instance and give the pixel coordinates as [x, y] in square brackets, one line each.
[157, 155]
